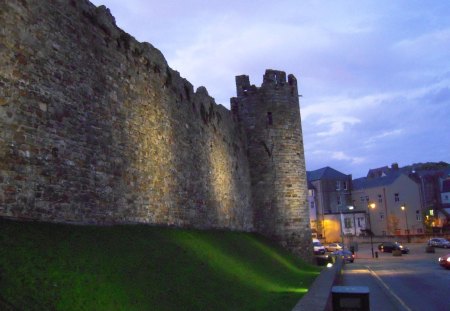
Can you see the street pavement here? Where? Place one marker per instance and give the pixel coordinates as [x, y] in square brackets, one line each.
[360, 273]
[380, 297]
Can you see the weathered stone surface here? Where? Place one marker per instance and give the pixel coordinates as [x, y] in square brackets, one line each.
[96, 128]
[270, 116]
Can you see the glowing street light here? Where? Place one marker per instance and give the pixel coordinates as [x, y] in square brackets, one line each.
[371, 206]
[403, 208]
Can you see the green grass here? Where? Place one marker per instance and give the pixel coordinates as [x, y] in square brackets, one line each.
[137, 267]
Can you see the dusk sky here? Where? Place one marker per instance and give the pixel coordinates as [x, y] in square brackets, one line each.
[374, 75]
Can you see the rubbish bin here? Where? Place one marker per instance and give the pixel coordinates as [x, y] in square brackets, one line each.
[350, 298]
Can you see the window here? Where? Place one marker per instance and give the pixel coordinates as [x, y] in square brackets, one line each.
[269, 118]
[418, 216]
[339, 200]
[359, 221]
[338, 185]
[362, 199]
[367, 198]
[381, 215]
[345, 185]
[396, 197]
[380, 199]
[311, 204]
[348, 223]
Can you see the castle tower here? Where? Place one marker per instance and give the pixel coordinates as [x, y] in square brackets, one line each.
[270, 118]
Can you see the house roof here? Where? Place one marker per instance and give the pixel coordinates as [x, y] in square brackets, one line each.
[325, 173]
[364, 183]
[378, 172]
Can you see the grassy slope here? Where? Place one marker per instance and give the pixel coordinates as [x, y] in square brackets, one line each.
[138, 267]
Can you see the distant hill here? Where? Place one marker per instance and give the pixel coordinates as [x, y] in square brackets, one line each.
[426, 166]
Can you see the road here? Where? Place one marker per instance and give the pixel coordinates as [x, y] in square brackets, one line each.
[416, 280]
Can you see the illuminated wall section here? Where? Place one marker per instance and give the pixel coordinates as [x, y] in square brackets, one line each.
[270, 115]
[96, 128]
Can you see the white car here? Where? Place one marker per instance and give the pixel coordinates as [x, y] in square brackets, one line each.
[439, 242]
[318, 247]
[332, 247]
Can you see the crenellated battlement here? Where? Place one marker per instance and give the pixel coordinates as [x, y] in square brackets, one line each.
[270, 117]
[96, 128]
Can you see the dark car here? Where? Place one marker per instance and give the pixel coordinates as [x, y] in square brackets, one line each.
[388, 247]
[439, 242]
[444, 261]
[346, 255]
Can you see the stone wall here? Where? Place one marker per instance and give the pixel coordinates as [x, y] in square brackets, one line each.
[95, 127]
[270, 116]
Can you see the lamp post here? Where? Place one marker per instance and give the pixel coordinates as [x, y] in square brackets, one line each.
[403, 208]
[371, 206]
[351, 207]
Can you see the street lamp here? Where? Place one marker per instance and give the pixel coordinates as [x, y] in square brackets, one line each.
[403, 208]
[371, 206]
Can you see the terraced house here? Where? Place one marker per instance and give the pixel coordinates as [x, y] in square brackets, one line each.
[389, 201]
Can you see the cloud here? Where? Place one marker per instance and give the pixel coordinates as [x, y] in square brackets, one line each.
[342, 156]
[336, 124]
[392, 134]
[374, 76]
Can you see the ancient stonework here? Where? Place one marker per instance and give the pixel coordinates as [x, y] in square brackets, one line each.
[95, 127]
[270, 117]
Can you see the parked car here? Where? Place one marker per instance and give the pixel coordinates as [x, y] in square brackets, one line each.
[318, 247]
[444, 261]
[439, 242]
[346, 255]
[331, 247]
[388, 247]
